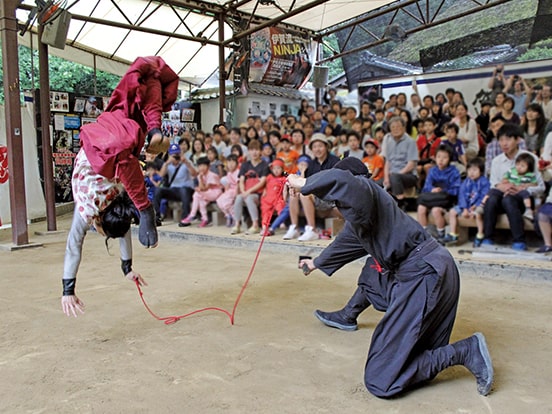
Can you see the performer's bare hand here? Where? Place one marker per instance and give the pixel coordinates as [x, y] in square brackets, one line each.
[305, 264]
[136, 277]
[71, 304]
[295, 184]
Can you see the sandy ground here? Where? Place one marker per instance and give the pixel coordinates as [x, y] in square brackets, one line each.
[277, 358]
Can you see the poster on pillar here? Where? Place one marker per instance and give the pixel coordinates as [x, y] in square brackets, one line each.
[280, 57]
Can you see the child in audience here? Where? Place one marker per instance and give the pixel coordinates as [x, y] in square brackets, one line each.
[427, 144]
[208, 190]
[215, 163]
[523, 173]
[353, 141]
[470, 201]
[230, 184]
[440, 190]
[252, 179]
[267, 153]
[302, 164]
[237, 150]
[152, 179]
[374, 161]
[379, 134]
[451, 139]
[288, 156]
[342, 145]
[272, 198]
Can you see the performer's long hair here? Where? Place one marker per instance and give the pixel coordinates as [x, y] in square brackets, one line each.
[118, 216]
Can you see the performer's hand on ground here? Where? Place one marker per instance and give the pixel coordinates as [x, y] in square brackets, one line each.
[71, 304]
[147, 232]
[136, 277]
[307, 264]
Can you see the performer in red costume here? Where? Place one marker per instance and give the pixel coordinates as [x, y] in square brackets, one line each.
[108, 165]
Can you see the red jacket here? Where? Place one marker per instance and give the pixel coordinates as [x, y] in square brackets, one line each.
[113, 143]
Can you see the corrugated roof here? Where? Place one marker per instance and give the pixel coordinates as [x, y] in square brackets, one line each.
[116, 30]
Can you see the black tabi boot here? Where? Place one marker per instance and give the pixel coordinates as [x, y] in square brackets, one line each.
[346, 318]
[473, 353]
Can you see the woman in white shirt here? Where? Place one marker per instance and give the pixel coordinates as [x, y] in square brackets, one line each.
[467, 131]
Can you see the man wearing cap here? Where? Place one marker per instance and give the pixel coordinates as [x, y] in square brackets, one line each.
[409, 276]
[323, 160]
[180, 180]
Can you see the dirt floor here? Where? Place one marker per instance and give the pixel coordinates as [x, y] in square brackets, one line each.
[277, 358]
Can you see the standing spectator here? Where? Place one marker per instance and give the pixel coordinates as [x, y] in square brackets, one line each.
[440, 190]
[470, 201]
[180, 182]
[252, 179]
[546, 101]
[401, 158]
[467, 131]
[323, 160]
[207, 191]
[505, 197]
[516, 89]
[497, 81]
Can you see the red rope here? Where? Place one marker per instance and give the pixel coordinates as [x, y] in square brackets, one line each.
[173, 319]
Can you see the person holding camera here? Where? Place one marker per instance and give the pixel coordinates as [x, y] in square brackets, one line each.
[515, 88]
[497, 81]
[179, 176]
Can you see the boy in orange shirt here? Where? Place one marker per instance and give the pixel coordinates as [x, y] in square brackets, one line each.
[374, 161]
[288, 156]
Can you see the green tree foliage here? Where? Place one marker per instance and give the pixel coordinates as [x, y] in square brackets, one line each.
[64, 75]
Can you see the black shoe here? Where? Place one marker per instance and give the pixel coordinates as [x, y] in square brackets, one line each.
[477, 359]
[158, 222]
[336, 320]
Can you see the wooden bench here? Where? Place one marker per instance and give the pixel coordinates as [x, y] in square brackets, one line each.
[502, 223]
[174, 209]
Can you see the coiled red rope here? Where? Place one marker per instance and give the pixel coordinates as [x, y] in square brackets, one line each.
[168, 320]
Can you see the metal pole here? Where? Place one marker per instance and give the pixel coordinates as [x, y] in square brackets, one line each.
[222, 71]
[18, 204]
[47, 162]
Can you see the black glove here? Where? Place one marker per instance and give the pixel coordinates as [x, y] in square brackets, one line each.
[147, 232]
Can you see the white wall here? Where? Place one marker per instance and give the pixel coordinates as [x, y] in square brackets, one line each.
[469, 81]
[243, 106]
[36, 205]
